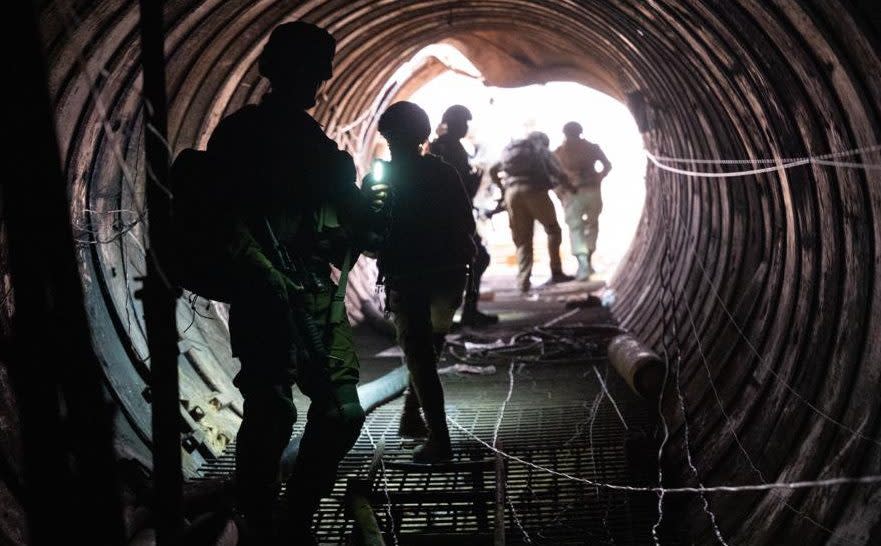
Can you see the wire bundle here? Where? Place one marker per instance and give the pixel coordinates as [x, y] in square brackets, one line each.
[572, 343]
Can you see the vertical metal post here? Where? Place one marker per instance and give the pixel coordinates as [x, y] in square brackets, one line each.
[158, 296]
[66, 426]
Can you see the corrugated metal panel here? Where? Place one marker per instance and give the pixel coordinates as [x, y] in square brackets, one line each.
[791, 256]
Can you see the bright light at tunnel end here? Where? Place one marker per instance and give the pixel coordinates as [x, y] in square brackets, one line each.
[503, 114]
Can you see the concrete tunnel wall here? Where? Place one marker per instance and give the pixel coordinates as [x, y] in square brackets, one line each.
[772, 277]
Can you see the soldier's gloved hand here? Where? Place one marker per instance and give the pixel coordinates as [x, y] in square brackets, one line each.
[377, 194]
[276, 282]
[281, 284]
[291, 287]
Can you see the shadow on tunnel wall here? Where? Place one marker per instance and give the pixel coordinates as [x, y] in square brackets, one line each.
[762, 287]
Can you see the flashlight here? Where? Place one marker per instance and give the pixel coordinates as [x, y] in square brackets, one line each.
[378, 188]
[378, 171]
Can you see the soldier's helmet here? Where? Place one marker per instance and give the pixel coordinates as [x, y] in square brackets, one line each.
[539, 138]
[295, 48]
[405, 122]
[456, 113]
[572, 129]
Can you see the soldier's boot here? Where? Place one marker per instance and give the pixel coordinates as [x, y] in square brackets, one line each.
[412, 425]
[472, 317]
[438, 447]
[558, 277]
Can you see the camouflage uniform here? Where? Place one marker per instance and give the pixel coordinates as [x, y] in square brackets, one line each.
[424, 262]
[530, 170]
[278, 164]
[582, 208]
[450, 149]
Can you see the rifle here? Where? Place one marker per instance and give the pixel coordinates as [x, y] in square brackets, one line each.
[489, 213]
[500, 202]
[306, 333]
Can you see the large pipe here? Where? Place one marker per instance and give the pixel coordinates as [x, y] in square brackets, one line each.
[361, 512]
[641, 368]
[372, 395]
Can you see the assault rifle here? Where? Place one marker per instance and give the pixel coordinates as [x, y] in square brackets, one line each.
[308, 336]
[489, 213]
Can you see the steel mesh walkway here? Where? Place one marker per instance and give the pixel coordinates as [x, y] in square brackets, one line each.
[558, 418]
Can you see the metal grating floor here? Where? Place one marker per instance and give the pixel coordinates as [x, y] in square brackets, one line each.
[557, 418]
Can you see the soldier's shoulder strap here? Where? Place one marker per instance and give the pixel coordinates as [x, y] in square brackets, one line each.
[338, 305]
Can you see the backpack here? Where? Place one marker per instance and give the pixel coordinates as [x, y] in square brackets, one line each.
[521, 160]
[202, 229]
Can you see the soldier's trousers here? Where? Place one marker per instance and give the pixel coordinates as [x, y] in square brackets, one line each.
[582, 216]
[334, 418]
[526, 205]
[423, 312]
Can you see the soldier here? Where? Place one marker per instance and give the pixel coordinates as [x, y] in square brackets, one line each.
[288, 182]
[583, 207]
[448, 146]
[423, 262]
[526, 172]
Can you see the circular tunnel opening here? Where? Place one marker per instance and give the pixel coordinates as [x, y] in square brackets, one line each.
[763, 286]
[504, 114]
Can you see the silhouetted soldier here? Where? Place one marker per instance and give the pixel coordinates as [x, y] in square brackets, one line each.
[579, 158]
[526, 172]
[449, 147]
[289, 182]
[424, 262]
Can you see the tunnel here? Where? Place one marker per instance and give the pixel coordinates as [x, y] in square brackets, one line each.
[760, 286]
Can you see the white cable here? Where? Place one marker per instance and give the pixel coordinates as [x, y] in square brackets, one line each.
[560, 317]
[706, 503]
[496, 429]
[504, 405]
[766, 161]
[830, 482]
[732, 174]
[730, 423]
[384, 477]
[847, 164]
[781, 164]
[762, 361]
[605, 391]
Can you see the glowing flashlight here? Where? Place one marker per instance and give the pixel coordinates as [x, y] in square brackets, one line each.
[378, 171]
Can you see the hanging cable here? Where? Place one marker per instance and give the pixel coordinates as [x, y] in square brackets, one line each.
[776, 164]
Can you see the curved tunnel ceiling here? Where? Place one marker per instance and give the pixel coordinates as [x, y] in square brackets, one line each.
[764, 284]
